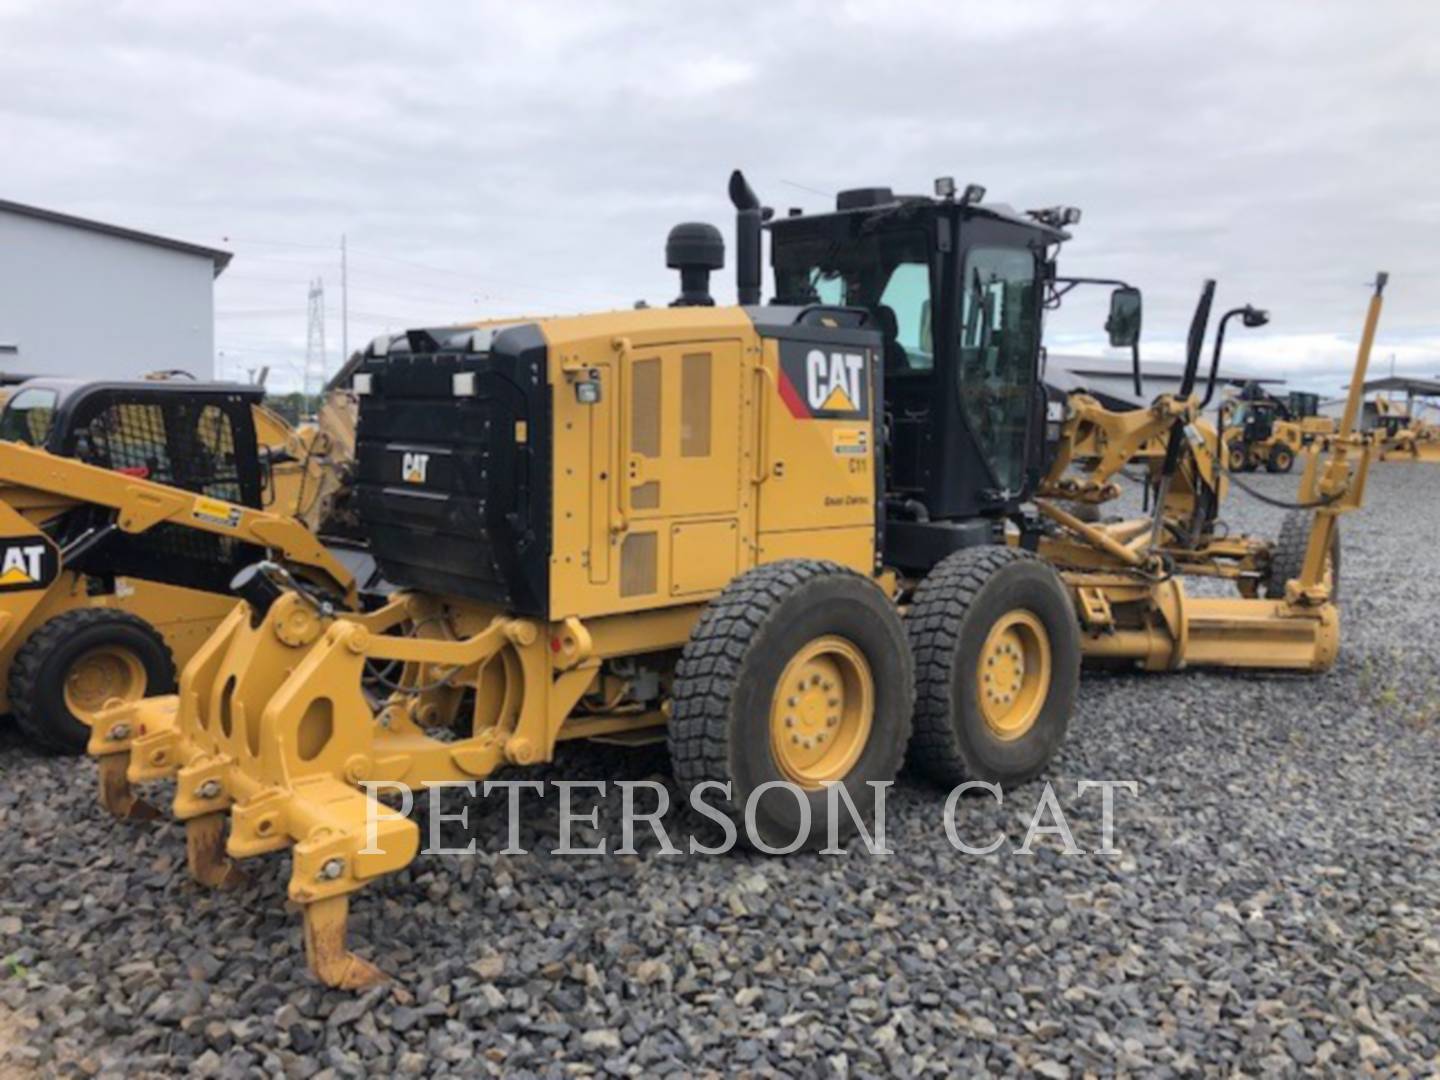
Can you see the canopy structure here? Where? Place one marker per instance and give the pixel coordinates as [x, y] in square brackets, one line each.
[1403, 384]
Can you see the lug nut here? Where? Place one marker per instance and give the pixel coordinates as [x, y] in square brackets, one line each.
[789, 721]
[332, 869]
[831, 721]
[209, 789]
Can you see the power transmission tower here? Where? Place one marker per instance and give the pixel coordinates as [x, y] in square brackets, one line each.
[315, 340]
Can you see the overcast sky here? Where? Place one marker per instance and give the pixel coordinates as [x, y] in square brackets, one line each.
[528, 158]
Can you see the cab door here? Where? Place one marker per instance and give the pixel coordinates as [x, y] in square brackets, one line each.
[997, 354]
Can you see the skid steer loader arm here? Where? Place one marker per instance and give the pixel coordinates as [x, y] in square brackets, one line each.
[36, 478]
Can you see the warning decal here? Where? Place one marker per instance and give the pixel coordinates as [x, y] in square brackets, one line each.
[852, 441]
[217, 512]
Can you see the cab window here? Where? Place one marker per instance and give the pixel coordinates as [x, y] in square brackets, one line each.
[999, 316]
[28, 416]
[886, 272]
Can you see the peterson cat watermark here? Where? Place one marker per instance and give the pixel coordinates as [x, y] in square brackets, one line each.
[712, 800]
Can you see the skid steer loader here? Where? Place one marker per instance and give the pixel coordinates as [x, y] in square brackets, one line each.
[795, 536]
[125, 510]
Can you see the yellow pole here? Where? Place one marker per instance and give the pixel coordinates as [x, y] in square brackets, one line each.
[1338, 476]
[1362, 358]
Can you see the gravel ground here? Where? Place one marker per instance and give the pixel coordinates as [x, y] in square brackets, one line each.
[1275, 906]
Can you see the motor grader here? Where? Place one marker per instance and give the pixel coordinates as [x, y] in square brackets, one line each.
[1403, 435]
[126, 508]
[797, 540]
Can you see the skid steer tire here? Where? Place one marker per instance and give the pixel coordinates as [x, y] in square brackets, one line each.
[1287, 556]
[983, 614]
[1281, 459]
[72, 664]
[798, 671]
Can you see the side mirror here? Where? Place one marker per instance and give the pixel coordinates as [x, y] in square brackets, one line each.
[1123, 325]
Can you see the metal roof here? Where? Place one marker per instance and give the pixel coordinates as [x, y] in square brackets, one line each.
[221, 259]
[1406, 385]
[1169, 370]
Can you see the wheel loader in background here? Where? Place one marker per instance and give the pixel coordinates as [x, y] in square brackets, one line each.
[799, 538]
[125, 510]
[1261, 429]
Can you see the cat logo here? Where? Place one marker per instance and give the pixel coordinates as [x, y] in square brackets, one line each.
[824, 383]
[832, 382]
[28, 563]
[414, 466]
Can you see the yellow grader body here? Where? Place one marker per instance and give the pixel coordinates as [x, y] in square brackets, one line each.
[680, 519]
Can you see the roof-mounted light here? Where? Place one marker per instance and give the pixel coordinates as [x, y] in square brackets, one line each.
[945, 188]
[974, 193]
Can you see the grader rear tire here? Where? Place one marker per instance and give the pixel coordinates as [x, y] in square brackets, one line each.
[799, 672]
[997, 666]
[72, 665]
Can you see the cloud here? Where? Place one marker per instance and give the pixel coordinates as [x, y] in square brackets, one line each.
[493, 158]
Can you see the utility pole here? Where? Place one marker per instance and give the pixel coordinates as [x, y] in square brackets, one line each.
[344, 305]
[315, 341]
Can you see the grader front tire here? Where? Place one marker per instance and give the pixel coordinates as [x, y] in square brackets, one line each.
[1287, 555]
[997, 663]
[798, 672]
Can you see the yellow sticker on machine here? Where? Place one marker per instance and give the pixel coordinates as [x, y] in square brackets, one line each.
[216, 511]
[849, 440]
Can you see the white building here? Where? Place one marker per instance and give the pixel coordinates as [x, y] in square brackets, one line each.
[1111, 378]
[92, 300]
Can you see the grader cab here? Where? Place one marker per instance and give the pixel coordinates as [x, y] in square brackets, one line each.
[794, 539]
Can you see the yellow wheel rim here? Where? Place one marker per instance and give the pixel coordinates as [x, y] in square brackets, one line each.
[102, 674]
[821, 712]
[1013, 678]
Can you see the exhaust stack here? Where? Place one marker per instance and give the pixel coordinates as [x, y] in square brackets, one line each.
[749, 215]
